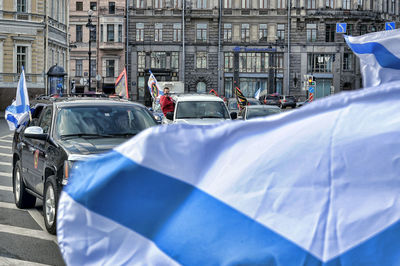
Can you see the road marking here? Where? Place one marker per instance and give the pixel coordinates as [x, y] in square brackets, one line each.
[7, 136]
[5, 154]
[9, 206]
[6, 140]
[5, 174]
[27, 232]
[5, 147]
[6, 188]
[10, 261]
[5, 163]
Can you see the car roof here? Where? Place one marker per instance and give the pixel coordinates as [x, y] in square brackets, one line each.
[198, 97]
[262, 107]
[75, 101]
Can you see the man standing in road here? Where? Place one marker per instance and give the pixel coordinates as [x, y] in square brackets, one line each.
[166, 102]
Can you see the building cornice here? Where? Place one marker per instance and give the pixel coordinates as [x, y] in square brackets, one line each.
[3, 37]
[18, 23]
[23, 38]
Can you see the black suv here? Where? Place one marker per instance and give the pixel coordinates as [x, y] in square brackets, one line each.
[61, 132]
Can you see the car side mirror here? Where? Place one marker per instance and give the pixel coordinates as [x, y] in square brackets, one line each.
[170, 115]
[35, 132]
[233, 115]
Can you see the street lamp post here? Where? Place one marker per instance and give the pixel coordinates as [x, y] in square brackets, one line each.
[90, 26]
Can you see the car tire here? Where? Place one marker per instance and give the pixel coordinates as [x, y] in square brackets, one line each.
[50, 203]
[22, 198]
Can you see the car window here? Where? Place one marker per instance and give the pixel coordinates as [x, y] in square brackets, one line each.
[233, 104]
[291, 98]
[102, 120]
[272, 98]
[253, 102]
[201, 109]
[259, 112]
[45, 121]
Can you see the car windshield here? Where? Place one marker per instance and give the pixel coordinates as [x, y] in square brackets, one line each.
[253, 102]
[102, 121]
[201, 109]
[258, 112]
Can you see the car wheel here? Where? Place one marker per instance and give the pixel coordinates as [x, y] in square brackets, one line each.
[50, 201]
[22, 198]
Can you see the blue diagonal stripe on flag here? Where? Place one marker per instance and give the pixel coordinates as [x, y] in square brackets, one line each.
[384, 57]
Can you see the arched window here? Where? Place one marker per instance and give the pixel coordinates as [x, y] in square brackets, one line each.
[201, 87]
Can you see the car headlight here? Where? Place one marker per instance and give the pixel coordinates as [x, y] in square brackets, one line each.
[157, 117]
[67, 171]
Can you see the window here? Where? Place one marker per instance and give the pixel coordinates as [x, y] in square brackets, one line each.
[227, 32]
[78, 33]
[93, 71]
[348, 61]
[227, 3]
[177, 32]
[311, 4]
[158, 3]
[111, 7]
[346, 4]
[263, 32]
[349, 29]
[78, 68]
[330, 33]
[140, 3]
[201, 60]
[245, 32]
[201, 32]
[93, 6]
[158, 60]
[201, 3]
[45, 122]
[363, 29]
[21, 58]
[21, 6]
[392, 6]
[311, 32]
[110, 32]
[245, 3]
[263, 3]
[139, 32]
[320, 63]
[119, 33]
[253, 62]
[158, 32]
[330, 3]
[228, 62]
[110, 68]
[280, 3]
[201, 87]
[141, 61]
[101, 33]
[175, 60]
[93, 33]
[280, 33]
[360, 4]
[79, 6]
[177, 3]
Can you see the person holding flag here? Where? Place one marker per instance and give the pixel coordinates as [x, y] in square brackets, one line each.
[166, 102]
[19, 111]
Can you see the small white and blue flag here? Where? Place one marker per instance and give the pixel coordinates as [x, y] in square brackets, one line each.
[19, 111]
[257, 94]
[316, 186]
[379, 54]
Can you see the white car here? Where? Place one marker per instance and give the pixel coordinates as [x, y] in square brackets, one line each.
[198, 109]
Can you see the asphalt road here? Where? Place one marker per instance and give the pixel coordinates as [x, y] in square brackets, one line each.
[23, 237]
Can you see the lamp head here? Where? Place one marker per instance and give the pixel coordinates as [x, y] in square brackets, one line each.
[90, 12]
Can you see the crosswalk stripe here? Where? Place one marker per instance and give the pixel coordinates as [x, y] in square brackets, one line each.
[5, 147]
[5, 163]
[10, 261]
[5, 154]
[6, 188]
[5, 174]
[8, 206]
[6, 140]
[27, 232]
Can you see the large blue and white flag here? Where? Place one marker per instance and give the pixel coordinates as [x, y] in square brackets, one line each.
[257, 94]
[315, 186]
[379, 54]
[18, 112]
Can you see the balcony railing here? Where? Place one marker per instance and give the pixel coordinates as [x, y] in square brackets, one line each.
[111, 45]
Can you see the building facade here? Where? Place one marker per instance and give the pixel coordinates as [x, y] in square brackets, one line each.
[220, 44]
[33, 35]
[107, 44]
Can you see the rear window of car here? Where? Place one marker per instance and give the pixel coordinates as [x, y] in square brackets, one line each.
[272, 98]
[291, 97]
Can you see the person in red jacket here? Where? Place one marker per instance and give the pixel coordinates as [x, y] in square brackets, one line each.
[166, 102]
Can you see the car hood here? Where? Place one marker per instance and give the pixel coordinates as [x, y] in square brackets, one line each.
[86, 146]
[199, 121]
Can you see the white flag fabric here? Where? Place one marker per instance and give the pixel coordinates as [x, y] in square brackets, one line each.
[153, 86]
[315, 186]
[257, 94]
[379, 54]
[18, 112]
